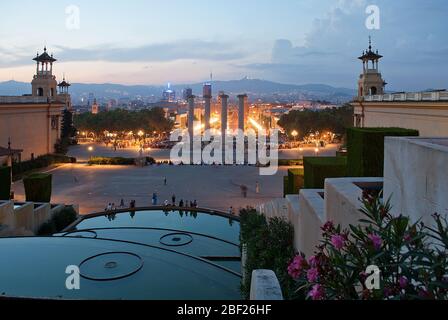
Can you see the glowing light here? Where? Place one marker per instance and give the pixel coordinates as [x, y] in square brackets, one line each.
[90, 148]
[214, 120]
[140, 133]
[199, 127]
[255, 124]
[294, 133]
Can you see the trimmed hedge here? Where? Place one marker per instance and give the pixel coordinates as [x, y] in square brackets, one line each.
[290, 162]
[286, 186]
[38, 187]
[269, 245]
[5, 183]
[295, 180]
[58, 221]
[39, 163]
[317, 169]
[116, 161]
[366, 149]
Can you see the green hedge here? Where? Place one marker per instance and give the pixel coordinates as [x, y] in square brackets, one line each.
[286, 186]
[38, 187]
[5, 183]
[58, 221]
[366, 149]
[317, 169]
[39, 163]
[290, 162]
[116, 161]
[269, 245]
[295, 180]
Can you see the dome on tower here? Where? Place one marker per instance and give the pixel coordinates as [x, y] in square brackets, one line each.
[44, 57]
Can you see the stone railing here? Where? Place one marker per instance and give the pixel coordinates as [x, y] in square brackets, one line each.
[265, 286]
[409, 96]
[28, 100]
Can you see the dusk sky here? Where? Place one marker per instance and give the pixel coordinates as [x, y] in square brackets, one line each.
[180, 41]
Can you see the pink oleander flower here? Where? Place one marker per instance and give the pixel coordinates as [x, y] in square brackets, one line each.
[313, 262]
[377, 242]
[296, 267]
[328, 226]
[317, 292]
[407, 237]
[403, 282]
[388, 292]
[312, 275]
[338, 241]
[424, 293]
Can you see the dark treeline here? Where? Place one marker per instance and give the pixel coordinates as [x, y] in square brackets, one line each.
[304, 122]
[123, 120]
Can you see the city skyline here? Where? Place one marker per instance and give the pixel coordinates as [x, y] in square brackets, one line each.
[180, 42]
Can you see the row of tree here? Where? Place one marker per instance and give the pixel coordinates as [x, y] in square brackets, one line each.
[304, 122]
[123, 120]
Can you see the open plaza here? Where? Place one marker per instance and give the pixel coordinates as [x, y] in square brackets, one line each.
[217, 187]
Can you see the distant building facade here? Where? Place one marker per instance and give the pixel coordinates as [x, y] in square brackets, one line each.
[423, 111]
[32, 123]
[95, 107]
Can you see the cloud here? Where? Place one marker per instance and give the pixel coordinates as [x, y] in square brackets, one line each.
[412, 39]
[164, 52]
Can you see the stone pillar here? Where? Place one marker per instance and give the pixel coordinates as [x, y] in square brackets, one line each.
[208, 102]
[224, 109]
[241, 111]
[191, 123]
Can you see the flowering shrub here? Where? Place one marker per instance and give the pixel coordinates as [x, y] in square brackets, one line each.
[269, 244]
[412, 258]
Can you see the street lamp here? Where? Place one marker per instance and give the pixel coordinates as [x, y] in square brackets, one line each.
[294, 133]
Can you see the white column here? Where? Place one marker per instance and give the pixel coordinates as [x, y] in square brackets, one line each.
[191, 123]
[224, 108]
[208, 101]
[241, 115]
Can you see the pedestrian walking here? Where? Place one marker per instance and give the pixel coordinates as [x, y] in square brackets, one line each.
[173, 199]
[154, 199]
[244, 191]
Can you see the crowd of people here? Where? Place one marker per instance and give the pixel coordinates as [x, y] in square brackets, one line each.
[111, 207]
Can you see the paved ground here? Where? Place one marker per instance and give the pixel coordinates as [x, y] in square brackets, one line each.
[92, 187]
[82, 153]
[217, 187]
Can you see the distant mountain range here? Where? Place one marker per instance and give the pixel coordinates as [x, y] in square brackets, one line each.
[255, 88]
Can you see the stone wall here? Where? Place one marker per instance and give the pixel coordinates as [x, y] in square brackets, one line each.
[430, 118]
[343, 200]
[416, 176]
[30, 127]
